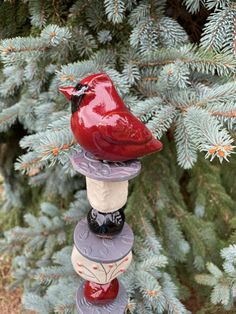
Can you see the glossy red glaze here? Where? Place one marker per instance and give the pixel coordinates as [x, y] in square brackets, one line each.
[101, 294]
[104, 126]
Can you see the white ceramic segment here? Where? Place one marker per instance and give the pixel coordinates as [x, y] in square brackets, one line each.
[107, 197]
[99, 272]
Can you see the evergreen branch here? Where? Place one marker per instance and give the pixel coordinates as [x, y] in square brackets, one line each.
[222, 282]
[38, 13]
[145, 36]
[210, 198]
[171, 33]
[144, 109]
[210, 4]
[32, 301]
[234, 38]
[228, 114]
[54, 150]
[85, 42]
[78, 208]
[50, 147]
[149, 234]
[18, 50]
[191, 227]
[198, 60]
[219, 29]
[175, 75]
[73, 72]
[208, 134]
[141, 12]
[219, 94]
[131, 71]
[29, 161]
[24, 233]
[186, 150]
[177, 245]
[15, 45]
[114, 10]
[193, 6]
[161, 120]
[64, 308]
[8, 117]
[52, 274]
[154, 262]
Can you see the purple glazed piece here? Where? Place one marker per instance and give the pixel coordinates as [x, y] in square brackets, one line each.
[102, 250]
[118, 306]
[86, 164]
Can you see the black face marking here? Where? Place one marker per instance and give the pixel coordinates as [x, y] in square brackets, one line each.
[76, 99]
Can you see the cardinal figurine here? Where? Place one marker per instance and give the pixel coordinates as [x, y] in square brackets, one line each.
[103, 125]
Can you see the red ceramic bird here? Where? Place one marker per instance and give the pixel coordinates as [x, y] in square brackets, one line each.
[103, 125]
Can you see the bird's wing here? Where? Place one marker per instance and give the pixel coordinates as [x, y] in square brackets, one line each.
[123, 128]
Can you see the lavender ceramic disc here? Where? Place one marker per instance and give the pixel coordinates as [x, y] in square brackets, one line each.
[118, 306]
[86, 164]
[102, 250]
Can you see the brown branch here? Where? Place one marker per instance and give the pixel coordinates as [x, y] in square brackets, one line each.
[169, 61]
[55, 150]
[8, 117]
[26, 165]
[10, 49]
[153, 64]
[228, 114]
[116, 8]
[43, 277]
[68, 77]
[150, 79]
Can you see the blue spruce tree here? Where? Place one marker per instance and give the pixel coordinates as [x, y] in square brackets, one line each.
[173, 63]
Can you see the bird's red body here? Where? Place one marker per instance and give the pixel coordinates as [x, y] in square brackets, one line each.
[103, 125]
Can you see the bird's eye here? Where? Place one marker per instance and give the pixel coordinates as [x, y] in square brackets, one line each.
[80, 88]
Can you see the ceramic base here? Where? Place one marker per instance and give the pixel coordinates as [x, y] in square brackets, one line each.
[118, 306]
[102, 250]
[86, 164]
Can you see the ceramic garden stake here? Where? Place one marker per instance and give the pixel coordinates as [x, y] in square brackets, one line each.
[111, 138]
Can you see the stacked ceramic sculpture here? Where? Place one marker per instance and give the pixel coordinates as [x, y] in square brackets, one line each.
[103, 242]
[107, 130]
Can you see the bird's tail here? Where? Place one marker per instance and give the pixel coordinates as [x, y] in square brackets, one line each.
[153, 146]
